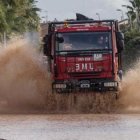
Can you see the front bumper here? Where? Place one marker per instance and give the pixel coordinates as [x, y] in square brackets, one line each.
[108, 85]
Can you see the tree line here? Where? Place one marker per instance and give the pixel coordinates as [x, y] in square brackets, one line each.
[18, 16]
[132, 33]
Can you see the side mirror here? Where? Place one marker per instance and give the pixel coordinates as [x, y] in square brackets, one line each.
[60, 39]
[45, 45]
[120, 41]
[45, 38]
[120, 35]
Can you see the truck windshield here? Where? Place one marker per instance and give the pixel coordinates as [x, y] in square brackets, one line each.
[84, 41]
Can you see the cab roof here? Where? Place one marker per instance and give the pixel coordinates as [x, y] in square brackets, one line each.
[84, 25]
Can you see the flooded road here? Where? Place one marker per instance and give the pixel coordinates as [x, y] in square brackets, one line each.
[70, 127]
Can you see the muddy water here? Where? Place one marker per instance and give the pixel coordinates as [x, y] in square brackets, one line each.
[130, 95]
[70, 127]
[25, 86]
[23, 78]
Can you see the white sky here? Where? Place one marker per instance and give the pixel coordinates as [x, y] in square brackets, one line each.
[66, 9]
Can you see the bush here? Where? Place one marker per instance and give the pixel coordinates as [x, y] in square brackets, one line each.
[132, 48]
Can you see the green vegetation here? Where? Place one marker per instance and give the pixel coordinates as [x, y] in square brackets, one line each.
[18, 16]
[132, 33]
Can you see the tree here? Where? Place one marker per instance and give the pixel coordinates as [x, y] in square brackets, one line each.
[18, 16]
[134, 11]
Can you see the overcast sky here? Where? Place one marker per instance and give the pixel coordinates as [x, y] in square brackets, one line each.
[64, 9]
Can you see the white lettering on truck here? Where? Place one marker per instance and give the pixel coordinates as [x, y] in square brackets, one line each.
[77, 67]
[84, 66]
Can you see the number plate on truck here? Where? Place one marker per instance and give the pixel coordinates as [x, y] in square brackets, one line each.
[85, 85]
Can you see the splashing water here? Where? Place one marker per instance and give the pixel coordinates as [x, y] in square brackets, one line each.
[130, 98]
[23, 79]
[25, 85]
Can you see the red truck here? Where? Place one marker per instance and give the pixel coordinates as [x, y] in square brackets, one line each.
[84, 54]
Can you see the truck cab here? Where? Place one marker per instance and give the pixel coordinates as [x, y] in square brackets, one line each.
[84, 55]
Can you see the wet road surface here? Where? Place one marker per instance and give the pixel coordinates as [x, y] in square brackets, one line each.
[70, 127]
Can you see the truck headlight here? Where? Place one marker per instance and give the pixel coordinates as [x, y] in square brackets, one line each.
[60, 85]
[110, 84]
